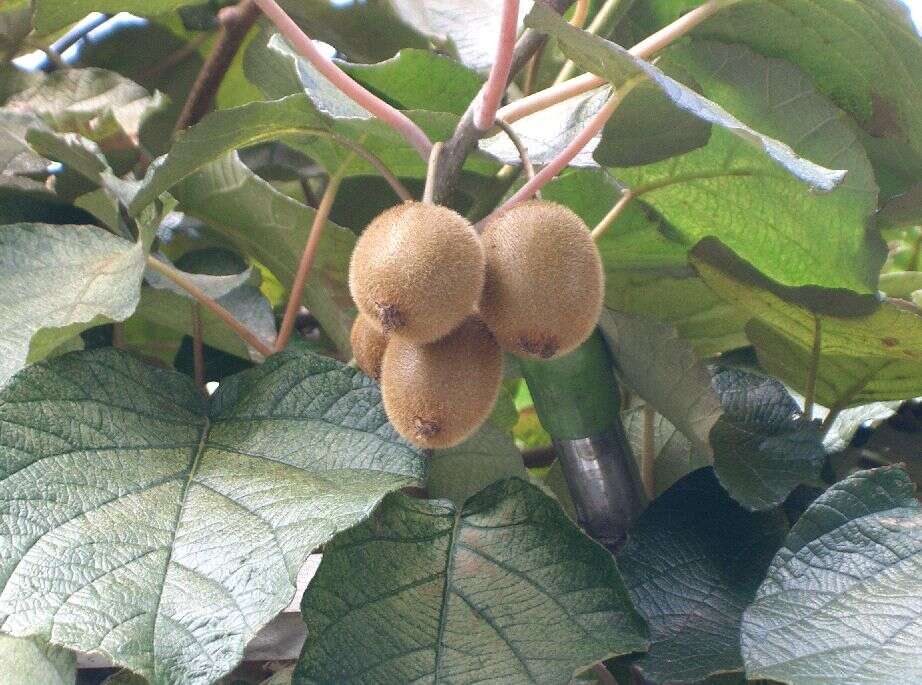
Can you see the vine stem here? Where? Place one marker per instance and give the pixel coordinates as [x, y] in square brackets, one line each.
[527, 166]
[592, 128]
[586, 82]
[627, 196]
[580, 14]
[429, 188]
[242, 331]
[491, 95]
[236, 22]
[309, 255]
[391, 116]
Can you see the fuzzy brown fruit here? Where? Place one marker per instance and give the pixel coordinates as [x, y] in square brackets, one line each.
[439, 393]
[417, 271]
[545, 284]
[368, 345]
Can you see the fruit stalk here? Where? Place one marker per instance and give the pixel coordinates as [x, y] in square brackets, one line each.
[578, 402]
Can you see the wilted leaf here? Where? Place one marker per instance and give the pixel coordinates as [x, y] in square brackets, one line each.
[841, 602]
[692, 563]
[169, 529]
[504, 589]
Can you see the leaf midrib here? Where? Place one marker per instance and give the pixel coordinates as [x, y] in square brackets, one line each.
[193, 468]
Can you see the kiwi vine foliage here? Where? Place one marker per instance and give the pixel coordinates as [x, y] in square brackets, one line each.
[767, 266]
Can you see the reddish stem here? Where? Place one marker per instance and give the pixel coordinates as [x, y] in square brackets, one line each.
[495, 87]
[394, 118]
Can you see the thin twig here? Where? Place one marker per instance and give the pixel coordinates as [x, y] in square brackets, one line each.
[431, 168]
[586, 82]
[648, 456]
[198, 345]
[810, 389]
[242, 331]
[309, 255]
[235, 21]
[590, 130]
[627, 196]
[520, 148]
[118, 335]
[492, 93]
[366, 154]
[829, 420]
[394, 118]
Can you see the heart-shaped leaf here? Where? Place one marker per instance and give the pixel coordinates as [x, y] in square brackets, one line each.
[163, 530]
[504, 589]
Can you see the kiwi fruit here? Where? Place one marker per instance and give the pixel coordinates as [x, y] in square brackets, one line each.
[544, 287]
[437, 394]
[417, 271]
[368, 345]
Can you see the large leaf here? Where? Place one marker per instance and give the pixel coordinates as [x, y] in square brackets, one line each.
[646, 269]
[264, 224]
[168, 531]
[841, 602]
[864, 355]
[692, 563]
[15, 25]
[65, 278]
[881, 39]
[613, 62]
[29, 662]
[505, 589]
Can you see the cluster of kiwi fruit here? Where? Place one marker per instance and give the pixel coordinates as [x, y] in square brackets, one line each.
[439, 304]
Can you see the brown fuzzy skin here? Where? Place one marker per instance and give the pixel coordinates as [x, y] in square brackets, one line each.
[545, 283]
[417, 271]
[437, 394]
[368, 345]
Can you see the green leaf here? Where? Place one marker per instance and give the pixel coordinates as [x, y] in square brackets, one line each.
[692, 563]
[29, 662]
[762, 450]
[769, 219]
[866, 354]
[280, 72]
[16, 157]
[169, 530]
[51, 15]
[844, 47]
[15, 25]
[841, 599]
[262, 223]
[23, 200]
[505, 589]
[662, 368]
[603, 57]
[61, 277]
[419, 79]
[646, 269]
[100, 105]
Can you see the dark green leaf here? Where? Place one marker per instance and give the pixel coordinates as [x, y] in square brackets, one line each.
[51, 15]
[692, 563]
[506, 589]
[841, 600]
[762, 450]
[168, 531]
